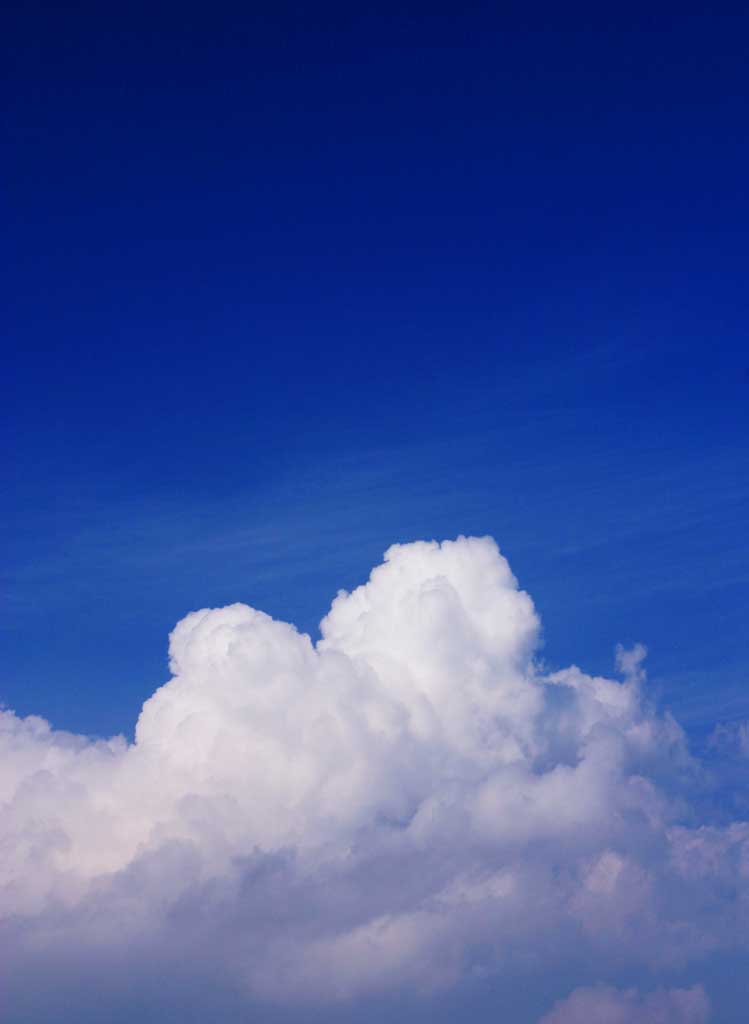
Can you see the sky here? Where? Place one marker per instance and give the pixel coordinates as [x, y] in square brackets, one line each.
[287, 285]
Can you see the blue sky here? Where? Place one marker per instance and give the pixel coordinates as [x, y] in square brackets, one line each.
[285, 288]
[288, 285]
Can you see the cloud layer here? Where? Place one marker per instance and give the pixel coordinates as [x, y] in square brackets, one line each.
[409, 805]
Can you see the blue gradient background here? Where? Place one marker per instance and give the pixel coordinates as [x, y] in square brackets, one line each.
[287, 285]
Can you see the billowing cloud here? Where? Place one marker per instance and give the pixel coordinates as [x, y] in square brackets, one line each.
[609, 1006]
[405, 806]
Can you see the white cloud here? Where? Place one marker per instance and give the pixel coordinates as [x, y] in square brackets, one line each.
[731, 738]
[403, 806]
[610, 1006]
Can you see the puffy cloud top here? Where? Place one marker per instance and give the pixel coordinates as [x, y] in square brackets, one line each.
[405, 805]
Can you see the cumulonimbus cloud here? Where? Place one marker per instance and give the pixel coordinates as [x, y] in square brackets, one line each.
[406, 804]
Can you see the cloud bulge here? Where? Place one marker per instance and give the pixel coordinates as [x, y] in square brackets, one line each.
[408, 805]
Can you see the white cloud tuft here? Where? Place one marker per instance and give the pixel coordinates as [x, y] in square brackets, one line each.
[406, 804]
[609, 1006]
[731, 738]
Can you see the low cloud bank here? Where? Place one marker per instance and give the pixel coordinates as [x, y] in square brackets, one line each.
[407, 805]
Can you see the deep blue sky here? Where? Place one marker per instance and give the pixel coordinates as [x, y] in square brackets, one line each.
[288, 284]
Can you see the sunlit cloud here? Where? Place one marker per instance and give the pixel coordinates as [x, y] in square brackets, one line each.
[407, 804]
